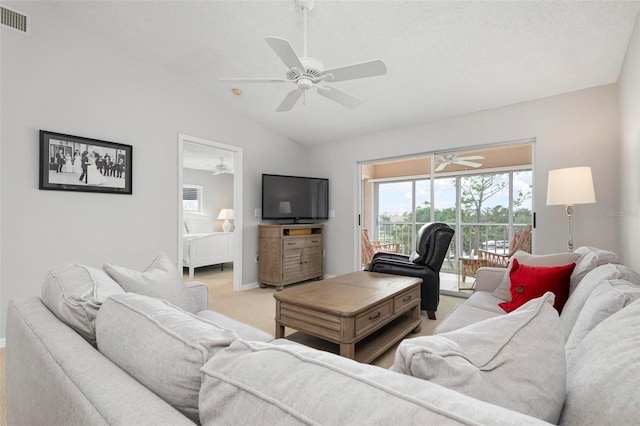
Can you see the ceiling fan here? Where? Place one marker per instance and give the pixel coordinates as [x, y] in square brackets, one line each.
[447, 159]
[222, 168]
[307, 73]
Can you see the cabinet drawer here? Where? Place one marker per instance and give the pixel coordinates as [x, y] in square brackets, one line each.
[409, 297]
[293, 243]
[373, 318]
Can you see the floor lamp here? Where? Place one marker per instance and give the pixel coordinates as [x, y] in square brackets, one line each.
[569, 187]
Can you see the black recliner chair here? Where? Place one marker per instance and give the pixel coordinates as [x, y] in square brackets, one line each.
[432, 245]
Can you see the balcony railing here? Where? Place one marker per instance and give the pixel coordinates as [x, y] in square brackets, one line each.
[487, 236]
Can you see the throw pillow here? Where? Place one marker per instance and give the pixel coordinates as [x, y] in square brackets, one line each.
[530, 282]
[590, 258]
[74, 293]
[486, 360]
[607, 299]
[161, 279]
[504, 289]
[593, 279]
[160, 345]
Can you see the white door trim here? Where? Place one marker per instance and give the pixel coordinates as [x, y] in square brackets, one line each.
[237, 200]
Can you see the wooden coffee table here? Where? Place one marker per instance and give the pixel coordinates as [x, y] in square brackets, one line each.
[375, 309]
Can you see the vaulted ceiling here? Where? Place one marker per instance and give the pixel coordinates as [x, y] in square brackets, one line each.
[444, 58]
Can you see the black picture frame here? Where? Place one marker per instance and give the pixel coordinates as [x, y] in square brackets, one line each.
[76, 163]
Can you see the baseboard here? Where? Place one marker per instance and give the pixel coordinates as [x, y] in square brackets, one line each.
[3, 342]
[249, 286]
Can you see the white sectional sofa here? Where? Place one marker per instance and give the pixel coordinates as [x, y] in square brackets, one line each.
[154, 363]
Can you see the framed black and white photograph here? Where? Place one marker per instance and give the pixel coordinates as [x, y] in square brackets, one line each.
[75, 163]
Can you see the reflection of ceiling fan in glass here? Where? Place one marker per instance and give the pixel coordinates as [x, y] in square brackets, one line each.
[447, 159]
[222, 168]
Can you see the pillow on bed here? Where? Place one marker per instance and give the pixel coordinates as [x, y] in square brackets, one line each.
[198, 224]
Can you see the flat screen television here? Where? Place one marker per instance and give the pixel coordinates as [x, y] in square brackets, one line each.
[294, 198]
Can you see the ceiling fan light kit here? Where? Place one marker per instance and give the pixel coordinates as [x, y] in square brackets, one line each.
[308, 73]
[222, 168]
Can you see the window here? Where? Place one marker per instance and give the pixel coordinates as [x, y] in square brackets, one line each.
[192, 198]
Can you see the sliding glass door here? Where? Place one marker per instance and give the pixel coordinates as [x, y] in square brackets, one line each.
[485, 195]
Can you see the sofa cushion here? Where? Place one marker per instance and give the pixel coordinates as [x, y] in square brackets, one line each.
[590, 281]
[485, 360]
[504, 289]
[244, 331]
[262, 383]
[463, 315]
[605, 300]
[160, 345]
[486, 301]
[603, 373]
[530, 282]
[590, 258]
[161, 279]
[74, 293]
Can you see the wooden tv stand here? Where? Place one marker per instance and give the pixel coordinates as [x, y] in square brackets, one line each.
[289, 254]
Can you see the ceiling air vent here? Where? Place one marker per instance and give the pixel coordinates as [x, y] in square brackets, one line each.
[15, 20]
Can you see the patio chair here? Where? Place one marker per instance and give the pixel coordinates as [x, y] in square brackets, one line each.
[432, 246]
[370, 248]
[521, 241]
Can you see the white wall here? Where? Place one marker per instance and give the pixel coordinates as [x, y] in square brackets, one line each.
[70, 82]
[217, 192]
[574, 129]
[628, 214]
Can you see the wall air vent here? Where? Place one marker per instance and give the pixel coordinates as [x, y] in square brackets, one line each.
[15, 20]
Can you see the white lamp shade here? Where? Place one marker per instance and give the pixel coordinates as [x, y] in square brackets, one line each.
[225, 214]
[570, 186]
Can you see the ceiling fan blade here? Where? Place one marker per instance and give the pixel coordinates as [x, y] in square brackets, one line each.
[256, 80]
[441, 167]
[340, 97]
[362, 70]
[472, 157]
[286, 53]
[467, 163]
[290, 100]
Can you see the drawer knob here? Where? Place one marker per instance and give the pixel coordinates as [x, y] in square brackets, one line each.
[372, 317]
[406, 299]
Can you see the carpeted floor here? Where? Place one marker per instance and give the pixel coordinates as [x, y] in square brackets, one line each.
[257, 306]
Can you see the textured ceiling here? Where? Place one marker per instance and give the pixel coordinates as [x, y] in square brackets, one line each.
[444, 58]
[203, 157]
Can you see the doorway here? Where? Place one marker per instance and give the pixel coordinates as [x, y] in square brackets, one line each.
[210, 203]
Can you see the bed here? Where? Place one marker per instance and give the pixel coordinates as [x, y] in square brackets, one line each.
[202, 246]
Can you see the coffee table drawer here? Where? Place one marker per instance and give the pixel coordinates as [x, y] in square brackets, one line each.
[405, 299]
[373, 318]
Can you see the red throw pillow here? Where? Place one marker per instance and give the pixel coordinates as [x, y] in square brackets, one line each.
[530, 282]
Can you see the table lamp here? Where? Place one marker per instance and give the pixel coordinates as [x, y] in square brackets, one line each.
[226, 214]
[569, 187]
